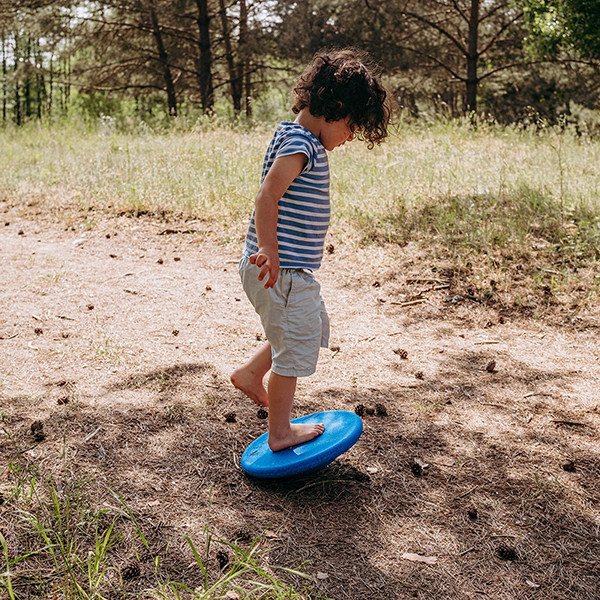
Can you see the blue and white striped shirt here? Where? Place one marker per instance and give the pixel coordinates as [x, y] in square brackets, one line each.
[304, 211]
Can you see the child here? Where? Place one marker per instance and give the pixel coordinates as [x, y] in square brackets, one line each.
[336, 99]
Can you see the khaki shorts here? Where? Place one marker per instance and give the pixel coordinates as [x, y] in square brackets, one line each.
[293, 316]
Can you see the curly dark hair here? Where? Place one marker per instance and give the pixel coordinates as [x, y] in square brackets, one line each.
[338, 84]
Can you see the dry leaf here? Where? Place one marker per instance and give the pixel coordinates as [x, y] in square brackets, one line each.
[532, 584]
[321, 575]
[430, 560]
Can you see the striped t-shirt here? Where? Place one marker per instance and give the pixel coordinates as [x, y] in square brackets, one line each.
[303, 215]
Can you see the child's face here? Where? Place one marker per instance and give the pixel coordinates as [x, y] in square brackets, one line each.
[336, 133]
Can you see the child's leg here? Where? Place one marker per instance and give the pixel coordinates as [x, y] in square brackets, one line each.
[282, 433]
[249, 377]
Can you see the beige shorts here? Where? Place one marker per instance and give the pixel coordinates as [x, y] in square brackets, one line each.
[293, 316]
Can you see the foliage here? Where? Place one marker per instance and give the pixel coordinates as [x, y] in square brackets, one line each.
[564, 24]
[224, 57]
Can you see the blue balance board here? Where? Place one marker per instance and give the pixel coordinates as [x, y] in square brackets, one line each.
[342, 430]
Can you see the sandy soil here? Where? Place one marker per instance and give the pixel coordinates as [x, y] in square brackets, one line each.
[120, 339]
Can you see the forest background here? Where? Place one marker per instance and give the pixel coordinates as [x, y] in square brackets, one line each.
[149, 60]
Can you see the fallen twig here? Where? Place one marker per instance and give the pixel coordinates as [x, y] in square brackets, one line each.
[571, 423]
[176, 231]
[427, 280]
[409, 303]
[466, 493]
[91, 435]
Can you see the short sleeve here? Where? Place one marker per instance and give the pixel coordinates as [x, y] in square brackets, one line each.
[298, 143]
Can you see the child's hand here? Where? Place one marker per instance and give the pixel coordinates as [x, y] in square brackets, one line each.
[267, 259]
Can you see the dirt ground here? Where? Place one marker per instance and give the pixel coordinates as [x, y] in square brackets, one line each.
[120, 339]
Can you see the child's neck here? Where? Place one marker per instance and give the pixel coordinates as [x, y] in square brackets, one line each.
[308, 121]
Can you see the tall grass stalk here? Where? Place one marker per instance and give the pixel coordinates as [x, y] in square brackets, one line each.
[77, 549]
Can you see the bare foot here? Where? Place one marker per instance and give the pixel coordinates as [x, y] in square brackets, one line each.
[297, 434]
[249, 383]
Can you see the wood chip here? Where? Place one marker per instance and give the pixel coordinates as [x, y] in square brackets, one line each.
[430, 560]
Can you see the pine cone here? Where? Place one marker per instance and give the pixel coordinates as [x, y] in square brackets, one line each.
[222, 559]
[37, 430]
[262, 413]
[417, 469]
[401, 353]
[507, 553]
[381, 410]
[359, 409]
[131, 571]
[230, 417]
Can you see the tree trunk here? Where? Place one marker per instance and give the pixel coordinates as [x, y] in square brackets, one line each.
[17, 107]
[205, 79]
[244, 50]
[27, 90]
[472, 59]
[235, 77]
[4, 86]
[164, 61]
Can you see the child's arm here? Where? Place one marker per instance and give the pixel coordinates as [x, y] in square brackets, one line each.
[279, 178]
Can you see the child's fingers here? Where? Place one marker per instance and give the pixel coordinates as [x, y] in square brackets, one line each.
[272, 280]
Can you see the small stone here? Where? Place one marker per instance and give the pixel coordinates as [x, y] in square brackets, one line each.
[491, 366]
[38, 331]
[90, 306]
[113, 255]
[230, 417]
[330, 249]
[175, 332]
[262, 413]
[569, 467]
[21, 232]
[370, 411]
[176, 258]
[420, 375]
[403, 354]
[208, 288]
[160, 261]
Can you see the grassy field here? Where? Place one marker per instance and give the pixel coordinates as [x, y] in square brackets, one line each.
[548, 174]
[519, 205]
